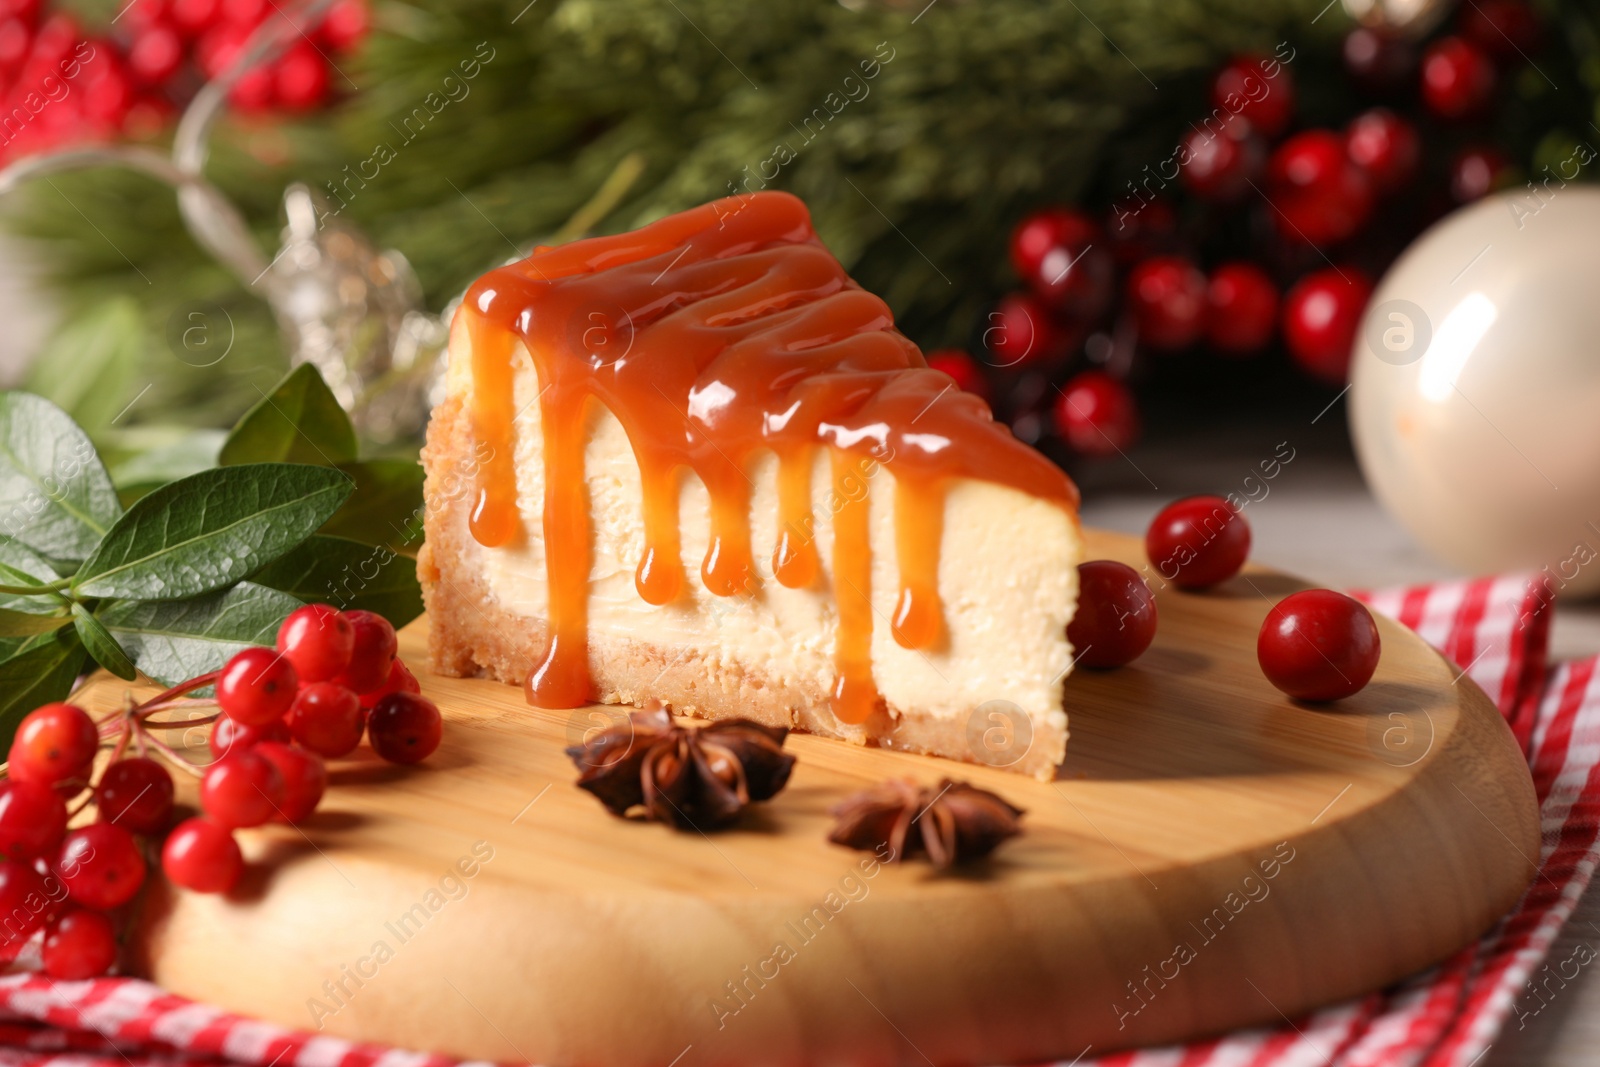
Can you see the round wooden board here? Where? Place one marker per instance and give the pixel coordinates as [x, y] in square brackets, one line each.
[1210, 856]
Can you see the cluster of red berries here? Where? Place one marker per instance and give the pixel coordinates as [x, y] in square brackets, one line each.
[1100, 297]
[333, 676]
[1315, 645]
[61, 85]
[204, 37]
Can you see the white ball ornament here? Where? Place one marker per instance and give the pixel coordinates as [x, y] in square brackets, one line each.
[1475, 386]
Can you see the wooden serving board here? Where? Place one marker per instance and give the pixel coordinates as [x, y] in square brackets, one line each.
[1210, 856]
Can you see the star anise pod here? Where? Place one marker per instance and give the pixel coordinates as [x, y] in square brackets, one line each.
[952, 822]
[694, 778]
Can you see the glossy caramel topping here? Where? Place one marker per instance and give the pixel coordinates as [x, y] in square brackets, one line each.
[712, 334]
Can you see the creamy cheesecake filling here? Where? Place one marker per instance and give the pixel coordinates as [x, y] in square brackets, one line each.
[722, 339]
[1006, 574]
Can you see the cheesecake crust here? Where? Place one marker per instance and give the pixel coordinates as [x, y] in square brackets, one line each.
[472, 633]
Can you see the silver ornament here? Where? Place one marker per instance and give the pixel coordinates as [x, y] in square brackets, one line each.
[355, 313]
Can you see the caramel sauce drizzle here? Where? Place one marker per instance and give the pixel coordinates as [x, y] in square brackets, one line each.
[710, 335]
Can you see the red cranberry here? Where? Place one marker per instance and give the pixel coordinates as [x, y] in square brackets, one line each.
[219, 48]
[216, 53]
[372, 652]
[253, 91]
[1477, 172]
[346, 23]
[1198, 542]
[33, 820]
[1116, 617]
[55, 743]
[1241, 308]
[256, 686]
[80, 944]
[1096, 414]
[403, 728]
[963, 368]
[1139, 228]
[1384, 145]
[1220, 163]
[1318, 194]
[53, 42]
[243, 790]
[1457, 78]
[1378, 60]
[15, 40]
[136, 794]
[300, 78]
[155, 54]
[1318, 645]
[142, 13]
[1167, 295]
[317, 640]
[202, 856]
[1063, 257]
[229, 736]
[1321, 315]
[1506, 29]
[1244, 87]
[100, 865]
[1022, 332]
[400, 680]
[24, 898]
[247, 13]
[107, 92]
[193, 16]
[305, 778]
[326, 718]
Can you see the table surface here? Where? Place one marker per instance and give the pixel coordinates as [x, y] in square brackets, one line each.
[1318, 520]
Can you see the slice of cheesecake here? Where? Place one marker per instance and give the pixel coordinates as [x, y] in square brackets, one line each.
[697, 463]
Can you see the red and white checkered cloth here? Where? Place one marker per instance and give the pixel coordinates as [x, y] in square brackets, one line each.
[1497, 629]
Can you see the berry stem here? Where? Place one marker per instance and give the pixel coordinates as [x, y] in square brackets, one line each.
[172, 756]
[122, 743]
[198, 682]
[183, 702]
[179, 724]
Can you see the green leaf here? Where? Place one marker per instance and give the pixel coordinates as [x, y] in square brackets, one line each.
[20, 565]
[88, 367]
[101, 645]
[142, 459]
[57, 497]
[161, 454]
[175, 640]
[299, 422]
[209, 530]
[40, 671]
[27, 624]
[386, 507]
[348, 575]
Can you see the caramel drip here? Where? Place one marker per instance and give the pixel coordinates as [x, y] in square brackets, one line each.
[494, 520]
[794, 560]
[659, 578]
[918, 620]
[561, 680]
[729, 569]
[711, 335]
[854, 694]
